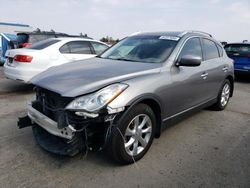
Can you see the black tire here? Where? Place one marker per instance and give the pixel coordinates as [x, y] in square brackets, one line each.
[219, 106]
[117, 147]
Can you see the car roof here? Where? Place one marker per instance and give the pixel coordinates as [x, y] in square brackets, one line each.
[77, 39]
[173, 33]
[161, 33]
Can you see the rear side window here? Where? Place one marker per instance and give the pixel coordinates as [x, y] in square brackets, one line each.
[98, 47]
[192, 47]
[239, 49]
[210, 48]
[76, 47]
[43, 44]
[220, 50]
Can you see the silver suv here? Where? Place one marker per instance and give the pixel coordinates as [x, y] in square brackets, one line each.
[121, 100]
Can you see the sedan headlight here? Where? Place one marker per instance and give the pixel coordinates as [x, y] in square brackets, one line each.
[98, 100]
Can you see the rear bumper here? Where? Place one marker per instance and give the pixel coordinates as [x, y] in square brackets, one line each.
[242, 70]
[20, 74]
[48, 124]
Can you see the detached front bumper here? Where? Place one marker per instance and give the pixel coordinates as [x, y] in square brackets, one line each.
[49, 125]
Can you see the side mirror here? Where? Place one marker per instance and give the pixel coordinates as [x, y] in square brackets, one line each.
[189, 61]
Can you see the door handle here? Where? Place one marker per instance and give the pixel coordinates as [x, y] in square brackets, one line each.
[204, 75]
[225, 69]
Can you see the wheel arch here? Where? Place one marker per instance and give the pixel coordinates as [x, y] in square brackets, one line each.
[231, 80]
[154, 103]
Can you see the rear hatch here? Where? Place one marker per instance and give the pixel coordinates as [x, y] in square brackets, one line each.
[240, 53]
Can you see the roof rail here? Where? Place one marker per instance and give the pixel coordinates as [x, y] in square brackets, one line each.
[192, 31]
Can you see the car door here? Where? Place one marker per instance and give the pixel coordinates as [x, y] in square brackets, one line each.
[77, 50]
[188, 83]
[215, 67]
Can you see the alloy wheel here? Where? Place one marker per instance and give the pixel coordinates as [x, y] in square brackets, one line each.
[138, 134]
[225, 94]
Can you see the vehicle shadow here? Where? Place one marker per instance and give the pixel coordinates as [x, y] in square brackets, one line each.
[242, 78]
[100, 158]
[9, 86]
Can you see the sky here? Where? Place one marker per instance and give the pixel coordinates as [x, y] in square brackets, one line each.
[226, 20]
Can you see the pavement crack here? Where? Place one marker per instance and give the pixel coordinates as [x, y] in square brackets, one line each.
[238, 112]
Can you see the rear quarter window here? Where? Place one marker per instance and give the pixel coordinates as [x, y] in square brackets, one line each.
[43, 44]
[220, 50]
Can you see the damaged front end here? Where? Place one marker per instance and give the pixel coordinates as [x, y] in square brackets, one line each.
[66, 131]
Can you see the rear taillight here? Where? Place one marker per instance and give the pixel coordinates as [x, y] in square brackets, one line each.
[26, 45]
[23, 58]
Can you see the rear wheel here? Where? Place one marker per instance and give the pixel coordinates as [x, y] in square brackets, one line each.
[133, 135]
[223, 97]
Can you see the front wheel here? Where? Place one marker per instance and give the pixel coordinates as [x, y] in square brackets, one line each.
[133, 135]
[223, 97]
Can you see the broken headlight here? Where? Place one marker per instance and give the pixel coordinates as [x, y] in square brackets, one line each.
[98, 100]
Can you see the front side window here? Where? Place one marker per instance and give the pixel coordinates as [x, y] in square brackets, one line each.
[145, 49]
[76, 47]
[211, 50]
[191, 48]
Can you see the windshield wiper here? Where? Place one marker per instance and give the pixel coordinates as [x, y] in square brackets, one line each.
[124, 59]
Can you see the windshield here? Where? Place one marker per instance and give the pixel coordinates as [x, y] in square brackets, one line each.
[148, 49]
[238, 49]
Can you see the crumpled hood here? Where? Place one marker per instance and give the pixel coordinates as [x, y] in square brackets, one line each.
[85, 76]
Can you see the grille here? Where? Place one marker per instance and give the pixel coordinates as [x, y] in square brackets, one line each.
[52, 105]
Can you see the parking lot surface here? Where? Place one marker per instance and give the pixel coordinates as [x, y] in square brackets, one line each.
[208, 149]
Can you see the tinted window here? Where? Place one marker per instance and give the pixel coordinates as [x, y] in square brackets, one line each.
[192, 47]
[98, 47]
[77, 47]
[210, 49]
[148, 49]
[239, 49]
[43, 44]
[65, 49]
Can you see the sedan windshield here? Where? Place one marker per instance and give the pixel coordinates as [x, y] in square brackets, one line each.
[148, 49]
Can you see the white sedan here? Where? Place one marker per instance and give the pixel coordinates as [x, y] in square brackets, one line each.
[23, 64]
